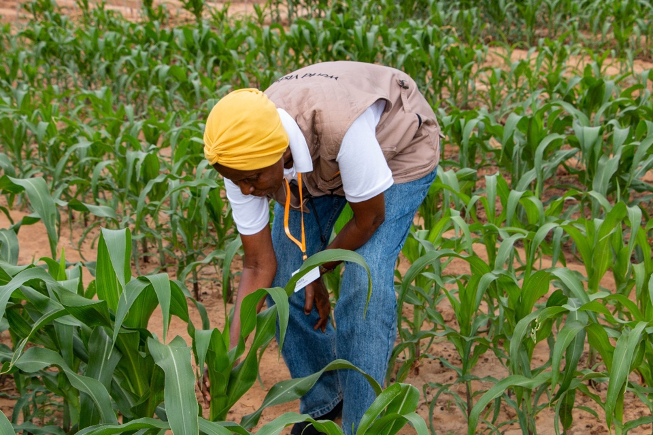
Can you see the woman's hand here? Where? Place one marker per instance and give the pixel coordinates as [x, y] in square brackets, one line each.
[203, 386]
[259, 266]
[317, 293]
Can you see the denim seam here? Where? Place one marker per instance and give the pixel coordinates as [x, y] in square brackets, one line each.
[330, 223]
[392, 335]
[325, 409]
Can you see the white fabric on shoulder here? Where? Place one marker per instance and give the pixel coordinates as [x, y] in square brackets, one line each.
[364, 170]
[251, 213]
[299, 149]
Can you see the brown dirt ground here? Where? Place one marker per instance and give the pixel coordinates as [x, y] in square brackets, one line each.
[10, 10]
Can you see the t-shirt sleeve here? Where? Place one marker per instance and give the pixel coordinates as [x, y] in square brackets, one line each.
[251, 213]
[364, 170]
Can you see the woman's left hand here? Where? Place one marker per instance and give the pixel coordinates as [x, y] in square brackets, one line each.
[317, 293]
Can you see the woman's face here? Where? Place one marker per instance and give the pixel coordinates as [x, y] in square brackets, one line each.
[258, 182]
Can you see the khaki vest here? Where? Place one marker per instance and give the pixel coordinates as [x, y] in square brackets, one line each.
[326, 98]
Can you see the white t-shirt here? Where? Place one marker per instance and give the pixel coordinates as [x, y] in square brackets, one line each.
[364, 170]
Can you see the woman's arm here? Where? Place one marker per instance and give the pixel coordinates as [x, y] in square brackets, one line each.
[368, 216]
[259, 268]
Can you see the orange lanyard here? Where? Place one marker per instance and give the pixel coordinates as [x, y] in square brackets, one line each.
[287, 207]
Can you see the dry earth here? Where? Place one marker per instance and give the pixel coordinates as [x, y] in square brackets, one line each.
[10, 10]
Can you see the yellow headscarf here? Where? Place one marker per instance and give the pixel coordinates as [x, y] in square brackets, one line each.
[244, 132]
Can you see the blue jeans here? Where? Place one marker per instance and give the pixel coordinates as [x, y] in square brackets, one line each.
[366, 343]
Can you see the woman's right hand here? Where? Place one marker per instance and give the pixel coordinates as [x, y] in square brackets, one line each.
[259, 266]
[316, 293]
[203, 386]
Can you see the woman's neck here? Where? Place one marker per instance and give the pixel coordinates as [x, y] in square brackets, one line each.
[288, 158]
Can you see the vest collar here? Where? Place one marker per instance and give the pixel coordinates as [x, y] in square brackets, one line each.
[299, 149]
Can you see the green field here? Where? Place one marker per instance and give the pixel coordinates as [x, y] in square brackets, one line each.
[531, 255]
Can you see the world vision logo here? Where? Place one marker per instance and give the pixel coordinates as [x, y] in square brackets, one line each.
[306, 76]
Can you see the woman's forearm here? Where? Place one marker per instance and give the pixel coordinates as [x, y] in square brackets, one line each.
[259, 268]
[368, 216]
[251, 281]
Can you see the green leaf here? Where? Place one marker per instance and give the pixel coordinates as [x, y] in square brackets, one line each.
[346, 215]
[138, 369]
[113, 266]
[499, 389]
[33, 429]
[5, 425]
[249, 312]
[417, 422]
[18, 280]
[221, 428]
[512, 204]
[83, 144]
[505, 250]
[606, 168]
[36, 358]
[177, 288]
[127, 299]
[620, 368]
[464, 228]
[327, 256]
[43, 205]
[535, 243]
[161, 285]
[140, 214]
[179, 393]
[91, 312]
[231, 250]
[292, 389]
[397, 401]
[583, 246]
[564, 408]
[638, 422]
[101, 211]
[602, 256]
[276, 426]
[534, 287]
[9, 246]
[599, 339]
[219, 254]
[141, 423]
[244, 375]
[538, 159]
[572, 283]
[563, 339]
[378, 407]
[103, 359]
[521, 330]
[201, 343]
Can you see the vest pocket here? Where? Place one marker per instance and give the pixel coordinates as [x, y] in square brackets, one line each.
[405, 86]
[389, 152]
[329, 179]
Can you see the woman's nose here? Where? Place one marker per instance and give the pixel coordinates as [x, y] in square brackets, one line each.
[246, 188]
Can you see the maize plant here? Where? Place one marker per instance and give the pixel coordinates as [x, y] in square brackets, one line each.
[109, 364]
